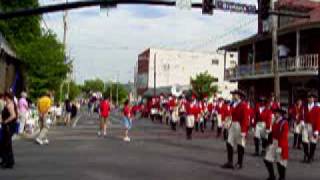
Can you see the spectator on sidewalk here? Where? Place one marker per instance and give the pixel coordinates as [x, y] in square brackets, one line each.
[23, 108]
[74, 110]
[9, 117]
[68, 111]
[44, 104]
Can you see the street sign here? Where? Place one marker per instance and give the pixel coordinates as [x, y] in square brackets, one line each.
[236, 7]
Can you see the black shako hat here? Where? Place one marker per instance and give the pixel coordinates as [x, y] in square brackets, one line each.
[312, 94]
[239, 92]
[280, 110]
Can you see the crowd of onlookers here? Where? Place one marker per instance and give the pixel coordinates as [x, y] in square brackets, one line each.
[20, 117]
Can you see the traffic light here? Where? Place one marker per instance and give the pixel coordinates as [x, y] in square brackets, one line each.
[106, 5]
[264, 7]
[207, 7]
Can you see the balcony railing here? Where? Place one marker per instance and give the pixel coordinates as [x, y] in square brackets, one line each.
[306, 64]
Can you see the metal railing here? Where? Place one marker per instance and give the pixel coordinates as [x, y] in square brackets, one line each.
[303, 63]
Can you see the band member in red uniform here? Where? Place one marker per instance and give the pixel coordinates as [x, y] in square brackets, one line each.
[297, 115]
[209, 116]
[197, 115]
[174, 113]
[273, 103]
[262, 124]
[182, 110]
[192, 112]
[278, 151]
[226, 119]
[238, 130]
[220, 112]
[311, 128]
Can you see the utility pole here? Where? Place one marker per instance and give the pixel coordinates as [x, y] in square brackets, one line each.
[154, 76]
[65, 32]
[117, 88]
[275, 57]
[111, 91]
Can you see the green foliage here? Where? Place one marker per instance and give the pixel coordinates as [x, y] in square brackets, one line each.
[45, 64]
[74, 91]
[95, 85]
[42, 54]
[22, 30]
[122, 92]
[203, 85]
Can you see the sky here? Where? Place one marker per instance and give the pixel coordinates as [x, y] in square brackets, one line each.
[104, 44]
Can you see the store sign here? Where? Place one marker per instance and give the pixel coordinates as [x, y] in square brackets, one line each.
[236, 7]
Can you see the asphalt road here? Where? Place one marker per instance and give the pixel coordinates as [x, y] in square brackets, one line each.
[155, 152]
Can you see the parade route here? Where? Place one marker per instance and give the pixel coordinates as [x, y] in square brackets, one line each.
[155, 152]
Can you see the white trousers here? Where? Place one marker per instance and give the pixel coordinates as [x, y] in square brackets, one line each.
[298, 127]
[44, 128]
[260, 131]
[273, 154]
[219, 121]
[227, 123]
[190, 121]
[235, 137]
[23, 116]
[307, 134]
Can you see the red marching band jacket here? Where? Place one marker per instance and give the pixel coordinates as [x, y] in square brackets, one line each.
[264, 116]
[172, 104]
[297, 113]
[241, 114]
[210, 107]
[193, 109]
[312, 116]
[224, 111]
[280, 132]
[274, 105]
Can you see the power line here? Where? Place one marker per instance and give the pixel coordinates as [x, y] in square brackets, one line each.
[215, 38]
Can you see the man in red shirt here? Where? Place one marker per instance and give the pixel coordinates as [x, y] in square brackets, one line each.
[104, 114]
[278, 151]
[238, 130]
[311, 128]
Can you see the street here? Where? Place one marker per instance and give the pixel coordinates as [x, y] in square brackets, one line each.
[155, 152]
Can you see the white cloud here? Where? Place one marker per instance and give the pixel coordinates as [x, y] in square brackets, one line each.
[102, 45]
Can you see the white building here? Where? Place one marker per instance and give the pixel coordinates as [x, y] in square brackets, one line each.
[176, 68]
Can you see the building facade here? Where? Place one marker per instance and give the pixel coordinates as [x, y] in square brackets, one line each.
[298, 46]
[172, 68]
[11, 77]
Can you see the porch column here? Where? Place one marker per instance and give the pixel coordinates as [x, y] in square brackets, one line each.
[297, 49]
[238, 68]
[254, 57]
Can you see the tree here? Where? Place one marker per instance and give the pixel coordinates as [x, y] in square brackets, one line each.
[203, 85]
[42, 55]
[74, 91]
[122, 92]
[96, 85]
[45, 65]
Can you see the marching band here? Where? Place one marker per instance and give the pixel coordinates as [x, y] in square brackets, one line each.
[269, 124]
